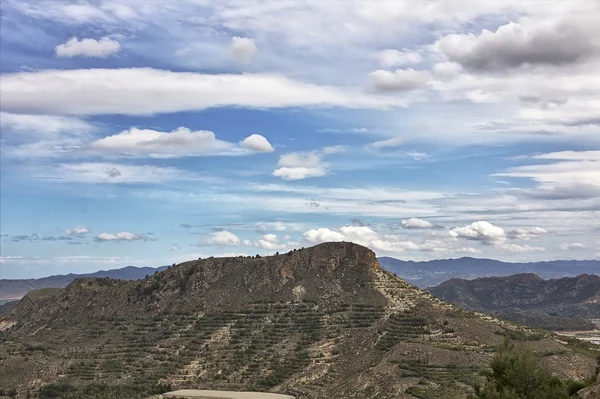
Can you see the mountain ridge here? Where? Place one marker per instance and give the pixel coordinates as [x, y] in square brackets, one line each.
[431, 273]
[322, 322]
[568, 303]
[17, 288]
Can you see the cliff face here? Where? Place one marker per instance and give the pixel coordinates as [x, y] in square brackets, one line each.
[324, 322]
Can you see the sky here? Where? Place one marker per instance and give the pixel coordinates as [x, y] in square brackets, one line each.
[148, 133]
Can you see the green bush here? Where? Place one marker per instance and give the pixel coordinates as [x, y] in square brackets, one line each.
[515, 373]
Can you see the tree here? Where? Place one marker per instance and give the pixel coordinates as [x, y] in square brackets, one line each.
[515, 373]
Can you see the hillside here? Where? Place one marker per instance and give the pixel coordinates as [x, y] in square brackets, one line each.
[560, 304]
[429, 273]
[324, 322]
[15, 289]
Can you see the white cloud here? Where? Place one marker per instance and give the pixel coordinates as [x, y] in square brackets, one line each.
[122, 236]
[387, 143]
[243, 49]
[571, 246]
[175, 247]
[142, 91]
[361, 235]
[322, 234]
[146, 142]
[258, 143]
[515, 248]
[418, 156]
[42, 125]
[269, 237]
[179, 142]
[393, 58]
[113, 173]
[399, 80]
[469, 250]
[88, 48]
[333, 149]
[561, 173]
[527, 234]
[222, 238]
[77, 231]
[571, 156]
[415, 223]
[300, 165]
[279, 226]
[480, 231]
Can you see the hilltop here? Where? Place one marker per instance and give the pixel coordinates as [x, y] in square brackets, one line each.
[433, 272]
[559, 304]
[323, 322]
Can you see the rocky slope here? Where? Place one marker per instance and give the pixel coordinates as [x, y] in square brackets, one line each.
[324, 322]
[561, 304]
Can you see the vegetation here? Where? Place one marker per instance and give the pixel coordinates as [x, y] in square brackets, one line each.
[515, 373]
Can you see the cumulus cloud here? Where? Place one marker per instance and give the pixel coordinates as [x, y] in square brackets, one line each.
[572, 246]
[269, 241]
[415, 223]
[362, 235]
[122, 236]
[301, 165]
[222, 237]
[243, 49]
[480, 231]
[399, 80]
[143, 91]
[469, 250]
[526, 42]
[258, 143]
[322, 234]
[269, 237]
[179, 142]
[77, 231]
[389, 58]
[88, 48]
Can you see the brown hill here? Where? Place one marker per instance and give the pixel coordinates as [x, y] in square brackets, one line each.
[568, 303]
[324, 322]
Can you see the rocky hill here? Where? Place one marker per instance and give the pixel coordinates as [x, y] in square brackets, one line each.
[561, 304]
[433, 272]
[324, 322]
[16, 289]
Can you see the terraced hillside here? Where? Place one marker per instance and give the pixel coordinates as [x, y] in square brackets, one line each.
[324, 322]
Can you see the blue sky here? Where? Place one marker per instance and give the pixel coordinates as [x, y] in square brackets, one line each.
[144, 133]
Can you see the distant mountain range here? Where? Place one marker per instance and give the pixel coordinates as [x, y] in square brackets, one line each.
[434, 272]
[15, 289]
[569, 303]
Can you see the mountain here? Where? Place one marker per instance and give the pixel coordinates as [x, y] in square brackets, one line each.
[15, 289]
[568, 303]
[434, 272]
[322, 322]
